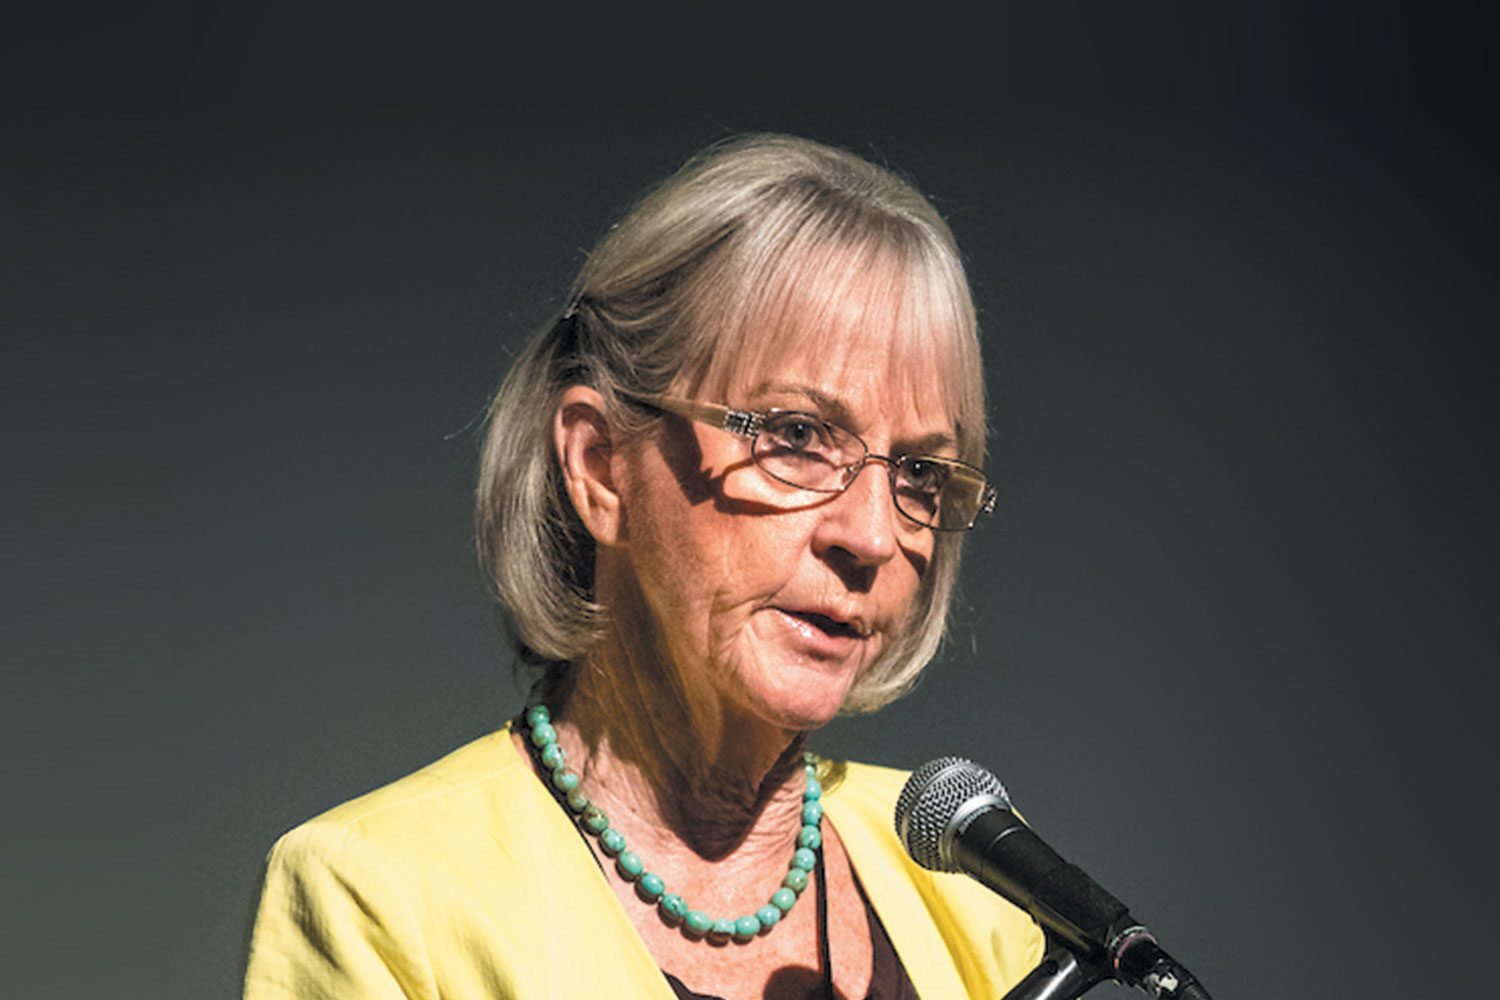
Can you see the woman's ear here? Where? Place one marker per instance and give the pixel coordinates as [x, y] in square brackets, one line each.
[585, 451]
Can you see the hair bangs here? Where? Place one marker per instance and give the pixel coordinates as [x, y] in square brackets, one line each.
[839, 294]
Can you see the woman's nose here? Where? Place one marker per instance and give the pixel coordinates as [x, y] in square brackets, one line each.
[862, 520]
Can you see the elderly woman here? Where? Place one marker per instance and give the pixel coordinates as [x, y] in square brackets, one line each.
[722, 500]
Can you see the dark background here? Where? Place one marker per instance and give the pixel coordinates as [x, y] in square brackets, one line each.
[1230, 641]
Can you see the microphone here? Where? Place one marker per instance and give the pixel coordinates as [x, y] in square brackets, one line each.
[954, 816]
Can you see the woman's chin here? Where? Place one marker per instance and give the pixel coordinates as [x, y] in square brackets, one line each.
[811, 702]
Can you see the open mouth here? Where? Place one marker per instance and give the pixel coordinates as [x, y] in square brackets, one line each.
[828, 625]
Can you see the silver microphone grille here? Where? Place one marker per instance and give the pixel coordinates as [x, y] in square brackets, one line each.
[933, 794]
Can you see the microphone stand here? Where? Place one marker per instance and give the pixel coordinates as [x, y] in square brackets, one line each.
[1061, 976]
[1065, 975]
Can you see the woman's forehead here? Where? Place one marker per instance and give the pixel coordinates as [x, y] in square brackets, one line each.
[853, 376]
[867, 323]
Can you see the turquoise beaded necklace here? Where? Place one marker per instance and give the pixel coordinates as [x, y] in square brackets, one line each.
[648, 885]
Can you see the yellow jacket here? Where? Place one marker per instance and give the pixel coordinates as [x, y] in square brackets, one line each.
[466, 880]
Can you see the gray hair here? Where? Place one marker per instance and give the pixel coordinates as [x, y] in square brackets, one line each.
[761, 233]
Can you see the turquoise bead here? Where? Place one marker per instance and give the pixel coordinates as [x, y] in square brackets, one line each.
[814, 789]
[650, 887]
[769, 915]
[577, 801]
[796, 880]
[629, 864]
[696, 922]
[810, 837]
[564, 780]
[554, 756]
[805, 859]
[673, 909]
[612, 840]
[723, 927]
[536, 714]
[746, 928]
[812, 813]
[783, 898]
[595, 820]
[542, 733]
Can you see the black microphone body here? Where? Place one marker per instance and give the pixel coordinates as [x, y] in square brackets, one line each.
[996, 848]
[955, 816]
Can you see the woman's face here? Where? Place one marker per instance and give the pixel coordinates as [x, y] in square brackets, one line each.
[769, 599]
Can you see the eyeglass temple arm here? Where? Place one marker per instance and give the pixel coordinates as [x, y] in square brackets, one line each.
[742, 422]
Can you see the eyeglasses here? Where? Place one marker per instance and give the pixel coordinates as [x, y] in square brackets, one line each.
[808, 452]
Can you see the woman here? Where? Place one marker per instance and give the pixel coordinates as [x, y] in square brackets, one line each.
[722, 500]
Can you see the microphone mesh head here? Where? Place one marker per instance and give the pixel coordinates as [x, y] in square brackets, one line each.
[933, 794]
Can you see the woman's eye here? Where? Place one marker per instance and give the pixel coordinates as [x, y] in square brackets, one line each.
[922, 477]
[800, 434]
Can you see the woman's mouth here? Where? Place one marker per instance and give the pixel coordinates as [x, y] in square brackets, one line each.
[823, 635]
[829, 626]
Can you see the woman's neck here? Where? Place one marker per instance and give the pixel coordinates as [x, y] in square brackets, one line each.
[679, 761]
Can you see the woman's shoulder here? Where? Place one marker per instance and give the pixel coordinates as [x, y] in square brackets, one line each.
[448, 882]
[446, 813]
[473, 771]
